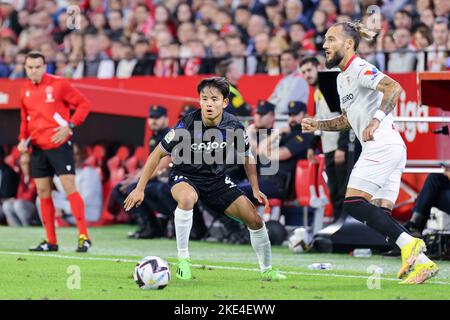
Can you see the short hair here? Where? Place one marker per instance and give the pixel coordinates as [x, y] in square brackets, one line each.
[222, 67]
[312, 60]
[405, 12]
[220, 83]
[35, 55]
[292, 52]
[441, 20]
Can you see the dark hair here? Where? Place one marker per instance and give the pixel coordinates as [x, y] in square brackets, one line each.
[292, 52]
[118, 11]
[220, 83]
[357, 31]
[405, 12]
[312, 60]
[35, 55]
[222, 67]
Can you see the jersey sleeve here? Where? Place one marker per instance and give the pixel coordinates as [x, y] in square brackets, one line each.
[369, 77]
[169, 142]
[75, 98]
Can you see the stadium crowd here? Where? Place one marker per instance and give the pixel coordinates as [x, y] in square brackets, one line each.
[123, 38]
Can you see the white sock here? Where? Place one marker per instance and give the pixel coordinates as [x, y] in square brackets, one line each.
[261, 244]
[422, 258]
[183, 225]
[403, 239]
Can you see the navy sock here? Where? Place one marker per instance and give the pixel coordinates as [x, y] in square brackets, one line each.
[374, 217]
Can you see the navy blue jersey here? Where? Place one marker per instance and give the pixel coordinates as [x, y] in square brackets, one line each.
[201, 151]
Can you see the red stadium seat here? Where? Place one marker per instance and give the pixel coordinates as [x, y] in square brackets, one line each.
[116, 165]
[305, 181]
[96, 156]
[324, 192]
[137, 160]
[13, 158]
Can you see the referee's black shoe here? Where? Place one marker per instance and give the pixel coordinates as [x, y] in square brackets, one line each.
[83, 243]
[45, 246]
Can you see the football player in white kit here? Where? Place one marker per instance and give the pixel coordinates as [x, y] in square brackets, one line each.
[367, 99]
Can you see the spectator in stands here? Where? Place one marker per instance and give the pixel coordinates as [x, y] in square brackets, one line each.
[334, 144]
[63, 68]
[256, 25]
[402, 20]
[427, 17]
[437, 51]
[127, 62]
[298, 38]
[403, 59]
[115, 24]
[10, 16]
[276, 47]
[294, 13]
[18, 71]
[422, 40]
[96, 63]
[246, 64]
[237, 105]
[319, 20]
[144, 215]
[21, 210]
[349, 8]
[241, 19]
[262, 41]
[435, 193]
[88, 182]
[145, 59]
[9, 181]
[292, 87]
[441, 8]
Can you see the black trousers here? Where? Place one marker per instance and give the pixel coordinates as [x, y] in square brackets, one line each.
[337, 182]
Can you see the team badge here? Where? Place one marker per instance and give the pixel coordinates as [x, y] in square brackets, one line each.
[49, 94]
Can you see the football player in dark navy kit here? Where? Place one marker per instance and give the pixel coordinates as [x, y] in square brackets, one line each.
[207, 134]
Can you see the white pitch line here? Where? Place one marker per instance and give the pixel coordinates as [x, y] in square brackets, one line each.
[202, 266]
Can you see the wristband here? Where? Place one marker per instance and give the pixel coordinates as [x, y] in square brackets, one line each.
[379, 115]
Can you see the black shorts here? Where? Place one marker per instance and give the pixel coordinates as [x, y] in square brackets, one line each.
[218, 194]
[47, 163]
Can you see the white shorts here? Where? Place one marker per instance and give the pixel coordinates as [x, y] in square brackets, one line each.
[379, 170]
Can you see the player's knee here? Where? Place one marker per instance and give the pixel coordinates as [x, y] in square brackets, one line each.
[255, 223]
[44, 192]
[187, 201]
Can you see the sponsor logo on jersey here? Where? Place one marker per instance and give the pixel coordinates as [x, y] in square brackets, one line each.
[209, 146]
[347, 98]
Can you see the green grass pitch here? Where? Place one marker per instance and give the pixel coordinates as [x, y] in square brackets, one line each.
[221, 271]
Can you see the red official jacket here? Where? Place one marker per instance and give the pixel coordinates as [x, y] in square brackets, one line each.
[46, 106]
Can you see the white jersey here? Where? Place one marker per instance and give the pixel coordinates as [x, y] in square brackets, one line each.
[356, 86]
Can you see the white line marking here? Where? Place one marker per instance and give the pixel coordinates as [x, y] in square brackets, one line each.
[51, 255]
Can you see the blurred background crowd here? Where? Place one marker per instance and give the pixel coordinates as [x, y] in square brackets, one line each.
[124, 38]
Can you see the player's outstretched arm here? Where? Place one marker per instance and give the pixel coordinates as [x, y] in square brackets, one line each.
[136, 196]
[250, 170]
[391, 90]
[339, 123]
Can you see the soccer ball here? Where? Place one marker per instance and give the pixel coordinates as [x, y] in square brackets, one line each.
[299, 241]
[152, 273]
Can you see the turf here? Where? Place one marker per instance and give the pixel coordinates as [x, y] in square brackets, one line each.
[221, 271]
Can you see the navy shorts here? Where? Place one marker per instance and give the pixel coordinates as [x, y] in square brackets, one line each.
[217, 194]
[47, 163]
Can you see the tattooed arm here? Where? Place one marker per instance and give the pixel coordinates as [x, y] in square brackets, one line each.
[391, 92]
[339, 123]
